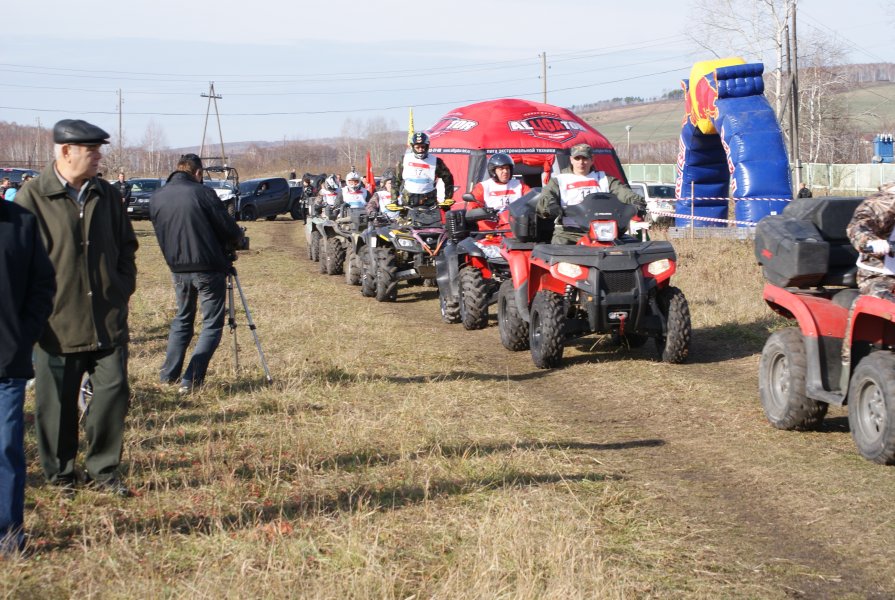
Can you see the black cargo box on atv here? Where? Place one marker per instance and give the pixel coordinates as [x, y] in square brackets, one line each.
[807, 246]
[358, 218]
[524, 221]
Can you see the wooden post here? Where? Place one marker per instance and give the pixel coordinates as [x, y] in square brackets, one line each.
[692, 209]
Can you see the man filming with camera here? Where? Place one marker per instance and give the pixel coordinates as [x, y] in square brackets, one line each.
[196, 237]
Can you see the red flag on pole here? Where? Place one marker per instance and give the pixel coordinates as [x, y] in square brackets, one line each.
[371, 183]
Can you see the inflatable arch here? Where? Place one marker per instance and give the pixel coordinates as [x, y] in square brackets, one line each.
[730, 144]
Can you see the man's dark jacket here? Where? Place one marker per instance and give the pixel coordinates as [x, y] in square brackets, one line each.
[124, 188]
[93, 249]
[192, 226]
[27, 285]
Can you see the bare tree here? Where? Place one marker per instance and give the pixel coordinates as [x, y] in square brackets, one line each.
[823, 117]
[153, 145]
[385, 142]
[350, 138]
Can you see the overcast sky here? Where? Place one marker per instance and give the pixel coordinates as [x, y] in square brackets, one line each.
[291, 70]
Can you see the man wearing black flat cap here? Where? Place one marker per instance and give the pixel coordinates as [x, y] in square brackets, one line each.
[92, 247]
[569, 188]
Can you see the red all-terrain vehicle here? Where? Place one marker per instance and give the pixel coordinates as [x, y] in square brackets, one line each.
[609, 283]
[470, 268]
[810, 269]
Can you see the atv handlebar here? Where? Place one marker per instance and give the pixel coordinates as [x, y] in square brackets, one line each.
[869, 250]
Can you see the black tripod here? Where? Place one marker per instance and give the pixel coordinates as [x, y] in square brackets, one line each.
[231, 321]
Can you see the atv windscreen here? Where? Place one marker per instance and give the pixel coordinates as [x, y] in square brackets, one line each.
[601, 207]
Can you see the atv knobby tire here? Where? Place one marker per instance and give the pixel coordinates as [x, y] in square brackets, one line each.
[316, 241]
[231, 208]
[513, 329]
[321, 251]
[352, 267]
[871, 407]
[781, 383]
[386, 275]
[674, 346]
[335, 255]
[367, 274]
[450, 308]
[473, 299]
[546, 329]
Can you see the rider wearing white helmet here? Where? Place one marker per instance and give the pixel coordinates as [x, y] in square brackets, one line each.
[354, 195]
[330, 194]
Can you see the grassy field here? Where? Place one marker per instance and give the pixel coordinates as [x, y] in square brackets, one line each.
[399, 457]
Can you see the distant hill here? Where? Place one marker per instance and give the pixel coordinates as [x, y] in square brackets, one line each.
[870, 107]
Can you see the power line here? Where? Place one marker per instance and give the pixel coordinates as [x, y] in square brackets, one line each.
[329, 76]
[366, 90]
[361, 109]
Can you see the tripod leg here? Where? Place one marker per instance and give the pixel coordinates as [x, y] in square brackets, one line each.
[231, 322]
[252, 328]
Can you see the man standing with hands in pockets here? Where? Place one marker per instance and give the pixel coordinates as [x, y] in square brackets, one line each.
[92, 247]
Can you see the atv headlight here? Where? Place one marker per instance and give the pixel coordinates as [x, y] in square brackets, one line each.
[569, 270]
[658, 267]
[405, 243]
[604, 231]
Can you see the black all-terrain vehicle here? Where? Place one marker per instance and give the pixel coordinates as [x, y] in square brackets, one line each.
[608, 283]
[471, 268]
[327, 240]
[353, 226]
[809, 265]
[405, 250]
[366, 254]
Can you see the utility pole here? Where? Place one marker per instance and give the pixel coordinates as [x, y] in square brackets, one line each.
[544, 74]
[212, 97]
[797, 158]
[120, 154]
[38, 145]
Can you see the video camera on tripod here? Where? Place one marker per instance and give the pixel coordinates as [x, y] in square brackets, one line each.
[232, 247]
[233, 284]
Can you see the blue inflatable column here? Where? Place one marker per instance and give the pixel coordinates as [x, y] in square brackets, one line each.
[701, 173]
[753, 142]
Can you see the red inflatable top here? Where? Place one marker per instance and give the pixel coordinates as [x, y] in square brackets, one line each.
[531, 132]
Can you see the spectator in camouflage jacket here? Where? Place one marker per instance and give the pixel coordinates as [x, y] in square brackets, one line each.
[872, 227]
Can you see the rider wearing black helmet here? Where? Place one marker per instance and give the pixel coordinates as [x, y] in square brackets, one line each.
[417, 173]
[501, 188]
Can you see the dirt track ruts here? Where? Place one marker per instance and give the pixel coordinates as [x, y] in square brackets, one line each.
[802, 511]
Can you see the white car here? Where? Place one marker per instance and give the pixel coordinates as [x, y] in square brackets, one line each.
[658, 196]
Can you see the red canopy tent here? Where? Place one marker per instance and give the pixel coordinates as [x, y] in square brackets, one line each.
[538, 137]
